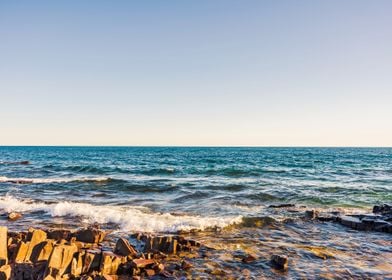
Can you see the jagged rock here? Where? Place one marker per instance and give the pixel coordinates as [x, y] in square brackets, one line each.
[13, 216]
[58, 234]
[35, 236]
[90, 235]
[42, 251]
[123, 248]
[142, 263]
[382, 209]
[20, 252]
[60, 260]
[311, 214]
[5, 272]
[284, 205]
[3, 246]
[91, 260]
[110, 262]
[280, 261]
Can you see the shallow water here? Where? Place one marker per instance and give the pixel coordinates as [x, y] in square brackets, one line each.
[216, 190]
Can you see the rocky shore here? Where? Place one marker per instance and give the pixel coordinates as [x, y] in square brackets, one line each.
[92, 253]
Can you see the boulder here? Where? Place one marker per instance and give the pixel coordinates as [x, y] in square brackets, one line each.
[91, 261]
[5, 272]
[280, 261]
[60, 260]
[42, 251]
[90, 235]
[123, 248]
[13, 216]
[110, 262]
[311, 214]
[3, 246]
[20, 252]
[143, 263]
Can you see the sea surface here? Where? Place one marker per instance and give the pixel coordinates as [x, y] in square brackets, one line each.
[216, 194]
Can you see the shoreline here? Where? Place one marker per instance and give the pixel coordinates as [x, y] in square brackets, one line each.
[92, 253]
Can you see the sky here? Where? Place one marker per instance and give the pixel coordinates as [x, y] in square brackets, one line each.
[196, 73]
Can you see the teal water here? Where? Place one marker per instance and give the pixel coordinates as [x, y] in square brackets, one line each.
[185, 188]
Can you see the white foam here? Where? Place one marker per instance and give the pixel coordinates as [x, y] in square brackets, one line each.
[4, 179]
[128, 218]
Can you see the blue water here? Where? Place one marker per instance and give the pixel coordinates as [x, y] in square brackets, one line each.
[206, 186]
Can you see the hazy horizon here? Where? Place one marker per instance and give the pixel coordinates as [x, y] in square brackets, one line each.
[205, 73]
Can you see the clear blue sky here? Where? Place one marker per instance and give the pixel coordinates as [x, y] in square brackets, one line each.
[275, 73]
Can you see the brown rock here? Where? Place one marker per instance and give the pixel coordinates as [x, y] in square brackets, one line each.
[142, 263]
[13, 216]
[3, 246]
[20, 252]
[90, 235]
[58, 234]
[110, 262]
[60, 260]
[5, 272]
[311, 214]
[123, 248]
[149, 272]
[280, 261]
[36, 236]
[91, 261]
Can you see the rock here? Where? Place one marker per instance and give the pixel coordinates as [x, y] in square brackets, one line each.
[284, 205]
[42, 251]
[142, 263]
[3, 246]
[5, 272]
[311, 214]
[90, 235]
[280, 261]
[13, 216]
[149, 272]
[382, 209]
[20, 252]
[35, 236]
[59, 234]
[249, 259]
[110, 262]
[91, 260]
[354, 223]
[60, 260]
[123, 248]
[185, 265]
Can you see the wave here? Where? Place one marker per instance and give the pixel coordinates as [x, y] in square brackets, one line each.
[129, 218]
[4, 179]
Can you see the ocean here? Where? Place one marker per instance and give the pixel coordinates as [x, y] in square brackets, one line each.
[214, 194]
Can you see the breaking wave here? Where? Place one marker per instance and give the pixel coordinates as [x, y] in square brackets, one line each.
[129, 218]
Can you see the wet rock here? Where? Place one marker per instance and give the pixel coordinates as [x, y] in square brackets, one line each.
[91, 260]
[284, 205]
[311, 214]
[185, 265]
[90, 235]
[3, 246]
[5, 272]
[123, 248]
[280, 261]
[352, 222]
[13, 216]
[249, 259]
[382, 209]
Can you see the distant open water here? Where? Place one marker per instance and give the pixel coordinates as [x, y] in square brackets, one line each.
[166, 189]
